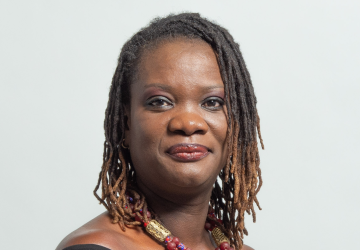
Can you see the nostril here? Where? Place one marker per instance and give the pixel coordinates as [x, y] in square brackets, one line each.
[188, 124]
[180, 132]
[187, 133]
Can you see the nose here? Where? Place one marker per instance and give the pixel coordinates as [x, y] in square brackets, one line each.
[188, 123]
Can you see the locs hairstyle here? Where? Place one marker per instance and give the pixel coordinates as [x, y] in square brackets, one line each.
[240, 177]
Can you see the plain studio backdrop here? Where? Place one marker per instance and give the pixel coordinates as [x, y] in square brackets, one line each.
[57, 60]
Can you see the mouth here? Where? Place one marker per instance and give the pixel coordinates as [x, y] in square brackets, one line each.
[185, 152]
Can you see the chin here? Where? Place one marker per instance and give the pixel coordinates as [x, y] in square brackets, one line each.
[191, 177]
[171, 176]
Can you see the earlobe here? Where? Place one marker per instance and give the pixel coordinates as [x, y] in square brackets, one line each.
[123, 145]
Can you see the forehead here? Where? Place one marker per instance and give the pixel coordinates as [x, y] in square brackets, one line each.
[181, 61]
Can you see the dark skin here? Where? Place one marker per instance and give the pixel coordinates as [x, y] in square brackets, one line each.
[176, 97]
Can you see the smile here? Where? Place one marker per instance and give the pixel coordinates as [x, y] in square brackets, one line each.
[185, 152]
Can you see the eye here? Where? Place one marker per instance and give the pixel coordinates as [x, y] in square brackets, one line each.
[213, 103]
[159, 102]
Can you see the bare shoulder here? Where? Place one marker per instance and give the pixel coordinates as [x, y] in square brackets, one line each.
[80, 236]
[99, 231]
[245, 247]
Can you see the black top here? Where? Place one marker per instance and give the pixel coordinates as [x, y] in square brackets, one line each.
[86, 247]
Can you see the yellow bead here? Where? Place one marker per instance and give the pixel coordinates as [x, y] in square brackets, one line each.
[156, 230]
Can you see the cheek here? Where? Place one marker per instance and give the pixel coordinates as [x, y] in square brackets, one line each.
[145, 133]
[142, 144]
[220, 130]
[218, 126]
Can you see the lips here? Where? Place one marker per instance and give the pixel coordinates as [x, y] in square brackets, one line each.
[188, 152]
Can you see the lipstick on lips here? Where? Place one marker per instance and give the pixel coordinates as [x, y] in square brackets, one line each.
[186, 152]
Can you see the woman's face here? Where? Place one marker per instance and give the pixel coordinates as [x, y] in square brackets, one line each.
[177, 118]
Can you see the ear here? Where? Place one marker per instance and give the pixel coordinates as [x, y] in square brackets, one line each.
[127, 117]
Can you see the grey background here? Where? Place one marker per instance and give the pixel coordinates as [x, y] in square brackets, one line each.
[57, 60]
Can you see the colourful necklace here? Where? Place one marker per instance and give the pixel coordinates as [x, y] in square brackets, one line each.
[163, 235]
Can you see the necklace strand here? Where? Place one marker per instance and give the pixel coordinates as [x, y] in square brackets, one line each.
[160, 233]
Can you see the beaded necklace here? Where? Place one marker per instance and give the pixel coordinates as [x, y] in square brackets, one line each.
[163, 235]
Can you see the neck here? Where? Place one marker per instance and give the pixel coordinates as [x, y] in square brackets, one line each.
[183, 215]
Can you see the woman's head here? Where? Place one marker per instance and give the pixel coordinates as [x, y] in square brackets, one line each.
[229, 133]
[176, 120]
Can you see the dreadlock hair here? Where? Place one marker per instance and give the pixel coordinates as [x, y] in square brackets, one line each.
[238, 183]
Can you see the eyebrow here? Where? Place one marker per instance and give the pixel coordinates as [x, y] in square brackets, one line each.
[159, 85]
[214, 87]
[167, 87]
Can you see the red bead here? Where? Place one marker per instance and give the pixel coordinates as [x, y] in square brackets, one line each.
[176, 240]
[208, 226]
[224, 246]
[171, 246]
[145, 224]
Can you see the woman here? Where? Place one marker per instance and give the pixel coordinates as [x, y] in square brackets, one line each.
[181, 150]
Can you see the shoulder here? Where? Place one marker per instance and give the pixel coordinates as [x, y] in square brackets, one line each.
[99, 237]
[100, 231]
[245, 247]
